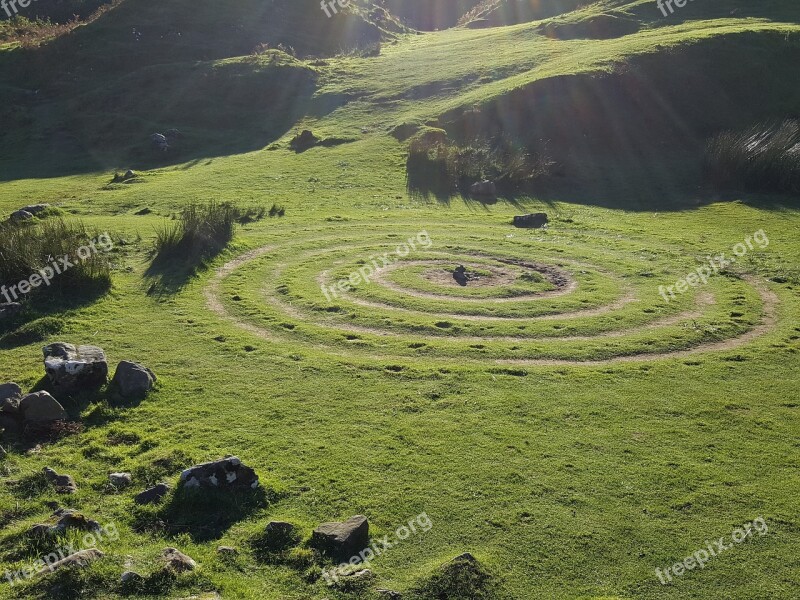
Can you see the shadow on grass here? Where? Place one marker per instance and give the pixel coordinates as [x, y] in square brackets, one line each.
[204, 514]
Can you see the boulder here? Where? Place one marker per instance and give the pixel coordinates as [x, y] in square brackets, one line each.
[73, 369]
[177, 561]
[41, 407]
[533, 220]
[341, 541]
[10, 396]
[35, 209]
[79, 559]
[485, 190]
[9, 309]
[303, 141]
[154, 494]
[120, 480]
[20, 215]
[159, 142]
[132, 380]
[227, 473]
[64, 484]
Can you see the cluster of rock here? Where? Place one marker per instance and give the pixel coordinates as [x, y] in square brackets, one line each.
[70, 369]
[532, 221]
[84, 368]
[164, 141]
[27, 212]
[127, 176]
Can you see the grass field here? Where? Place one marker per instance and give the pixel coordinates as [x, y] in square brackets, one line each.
[559, 420]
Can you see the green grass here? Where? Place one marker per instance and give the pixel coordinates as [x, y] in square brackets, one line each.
[570, 453]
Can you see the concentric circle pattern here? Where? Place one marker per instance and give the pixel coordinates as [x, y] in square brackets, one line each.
[486, 294]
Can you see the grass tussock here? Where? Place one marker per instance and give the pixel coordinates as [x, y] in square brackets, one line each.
[27, 248]
[201, 232]
[436, 164]
[762, 158]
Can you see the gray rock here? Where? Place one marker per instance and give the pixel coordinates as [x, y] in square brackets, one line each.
[129, 174]
[10, 396]
[41, 407]
[70, 519]
[64, 484]
[532, 221]
[9, 309]
[177, 561]
[72, 369]
[227, 551]
[132, 380]
[154, 494]
[227, 473]
[35, 209]
[120, 480]
[484, 190]
[159, 142]
[342, 541]
[20, 215]
[80, 559]
[281, 535]
[131, 578]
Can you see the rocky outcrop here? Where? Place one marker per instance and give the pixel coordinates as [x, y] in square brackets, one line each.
[154, 494]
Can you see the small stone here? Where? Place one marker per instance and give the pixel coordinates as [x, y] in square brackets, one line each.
[342, 540]
[41, 407]
[40, 530]
[227, 551]
[71, 519]
[154, 494]
[120, 480]
[177, 561]
[131, 578]
[79, 559]
[10, 396]
[64, 484]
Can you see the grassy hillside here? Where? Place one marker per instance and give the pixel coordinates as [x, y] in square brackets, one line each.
[558, 418]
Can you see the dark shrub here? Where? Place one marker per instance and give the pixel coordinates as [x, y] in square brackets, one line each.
[764, 158]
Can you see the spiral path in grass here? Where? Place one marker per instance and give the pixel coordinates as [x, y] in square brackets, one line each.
[485, 294]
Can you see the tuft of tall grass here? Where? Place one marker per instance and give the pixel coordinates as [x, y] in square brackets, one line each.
[201, 232]
[763, 158]
[28, 247]
[436, 163]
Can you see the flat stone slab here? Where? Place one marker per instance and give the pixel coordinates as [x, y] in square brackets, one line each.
[72, 368]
